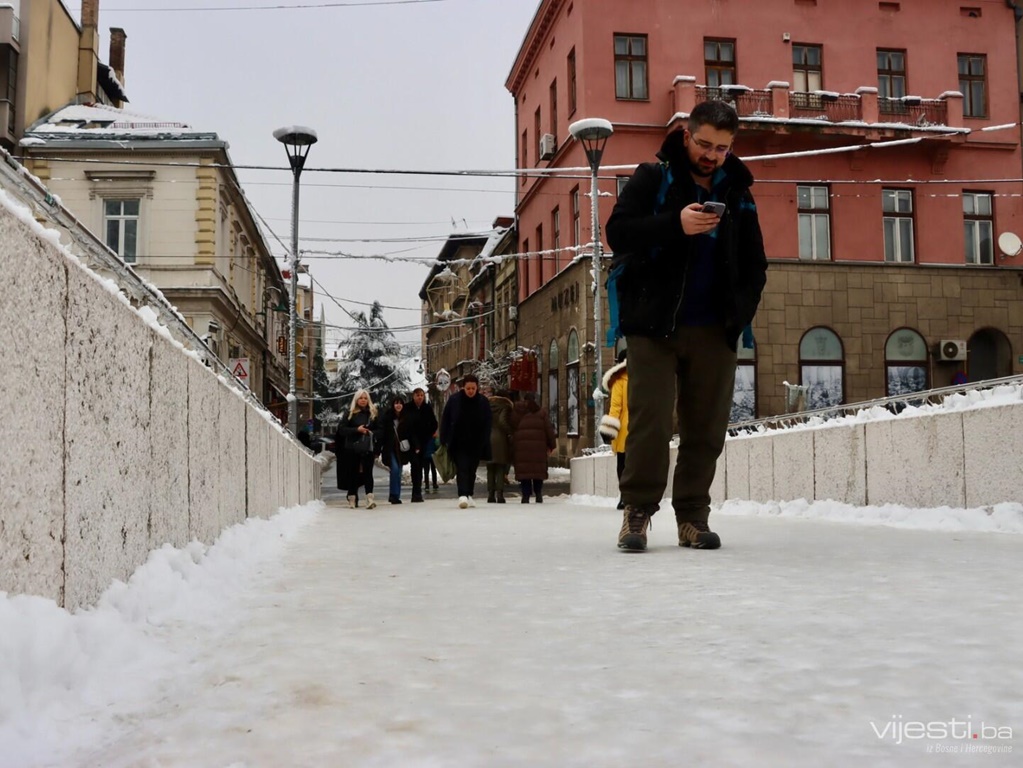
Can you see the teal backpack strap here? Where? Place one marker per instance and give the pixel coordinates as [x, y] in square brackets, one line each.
[662, 192]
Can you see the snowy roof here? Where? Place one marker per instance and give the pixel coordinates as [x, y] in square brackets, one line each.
[99, 121]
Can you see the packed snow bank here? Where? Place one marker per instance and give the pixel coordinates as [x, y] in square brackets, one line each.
[55, 664]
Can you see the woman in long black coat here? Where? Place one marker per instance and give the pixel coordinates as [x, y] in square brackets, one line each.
[358, 441]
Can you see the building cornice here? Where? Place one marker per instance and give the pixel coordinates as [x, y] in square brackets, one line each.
[541, 25]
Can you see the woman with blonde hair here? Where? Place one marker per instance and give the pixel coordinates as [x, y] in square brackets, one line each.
[358, 440]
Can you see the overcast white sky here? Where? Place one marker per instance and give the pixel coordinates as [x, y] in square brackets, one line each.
[404, 86]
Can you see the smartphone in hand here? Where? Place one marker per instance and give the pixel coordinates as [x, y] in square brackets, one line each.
[718, 209]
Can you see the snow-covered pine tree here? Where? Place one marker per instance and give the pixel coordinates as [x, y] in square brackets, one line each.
[321, 385]
[371, 359]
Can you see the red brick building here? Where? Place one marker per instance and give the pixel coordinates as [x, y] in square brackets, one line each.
[877, 255]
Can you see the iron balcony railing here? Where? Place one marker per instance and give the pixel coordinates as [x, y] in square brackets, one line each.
[827, 107]
[895, 404]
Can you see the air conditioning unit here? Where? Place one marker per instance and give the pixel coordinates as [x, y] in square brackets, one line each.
[547, 146]
[513, 313]
[951, 350]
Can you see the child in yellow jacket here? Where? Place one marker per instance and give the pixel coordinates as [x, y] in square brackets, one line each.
[615, 425]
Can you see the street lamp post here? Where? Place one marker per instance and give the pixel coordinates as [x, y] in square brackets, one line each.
[593, 133]
[296, 140]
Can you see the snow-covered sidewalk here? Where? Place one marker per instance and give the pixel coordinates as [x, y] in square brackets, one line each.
[520, 636]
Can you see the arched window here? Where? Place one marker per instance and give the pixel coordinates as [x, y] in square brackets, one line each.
[990, 355]
[744, 396]
[573, 347]
[822, 368]
[905, 362]
[553, 404]
[572, 385]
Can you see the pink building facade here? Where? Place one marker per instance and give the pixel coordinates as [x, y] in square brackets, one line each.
[877, 254]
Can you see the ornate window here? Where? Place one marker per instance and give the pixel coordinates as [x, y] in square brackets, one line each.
[905, 362]
[822, 368]
[744, 395]
[553, 403]
[572, 381]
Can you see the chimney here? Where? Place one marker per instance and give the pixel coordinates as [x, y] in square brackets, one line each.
[117, 39]
[88, 52]
[90, 14]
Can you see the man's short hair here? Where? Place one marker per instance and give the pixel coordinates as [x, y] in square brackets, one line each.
[417, 391]
[470, 377]
[717, 114]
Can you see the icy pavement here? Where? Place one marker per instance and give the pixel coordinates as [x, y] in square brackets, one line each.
[519, 635]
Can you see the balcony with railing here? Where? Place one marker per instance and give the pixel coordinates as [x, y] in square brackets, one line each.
[10, 26]
[863, 113]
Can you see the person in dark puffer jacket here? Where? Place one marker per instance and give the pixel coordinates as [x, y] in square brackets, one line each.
[532, 440]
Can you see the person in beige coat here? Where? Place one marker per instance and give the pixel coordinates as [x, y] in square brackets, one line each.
[500, 446]
[614, 426]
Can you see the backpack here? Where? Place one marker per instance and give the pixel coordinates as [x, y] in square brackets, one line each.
[614, 331]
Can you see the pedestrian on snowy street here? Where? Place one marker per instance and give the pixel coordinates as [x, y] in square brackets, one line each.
[533, 440]
[690, 252]
[430, 465]
[395, 445]
[614, 425]
[422, 424]
[500, 446]
[465, 434]
[358, 439]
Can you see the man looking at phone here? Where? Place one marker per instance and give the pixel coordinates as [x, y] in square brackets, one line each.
[686, 234]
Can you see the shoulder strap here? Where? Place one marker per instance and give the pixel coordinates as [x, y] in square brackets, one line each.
[666, 180]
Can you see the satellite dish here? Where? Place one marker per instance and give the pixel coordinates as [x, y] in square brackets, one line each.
[1010, 244]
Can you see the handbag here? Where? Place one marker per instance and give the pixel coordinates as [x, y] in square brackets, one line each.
[361, 445]
[404, 446]
[444, 463]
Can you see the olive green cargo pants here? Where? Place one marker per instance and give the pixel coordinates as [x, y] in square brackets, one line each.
[693, 374]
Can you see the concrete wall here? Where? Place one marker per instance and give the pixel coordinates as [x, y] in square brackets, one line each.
[958, 459]
[114, 441]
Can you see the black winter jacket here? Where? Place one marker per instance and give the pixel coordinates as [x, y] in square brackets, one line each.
[394, 429]
[656, 252]
[422, 424]
[465, 425]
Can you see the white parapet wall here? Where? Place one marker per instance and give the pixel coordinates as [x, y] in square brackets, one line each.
[115, 440]
[953, 458]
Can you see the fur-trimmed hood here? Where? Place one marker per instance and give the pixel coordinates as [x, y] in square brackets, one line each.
[673, 150]
[613, 372]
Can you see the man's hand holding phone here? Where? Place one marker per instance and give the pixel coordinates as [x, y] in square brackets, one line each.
[700, 218]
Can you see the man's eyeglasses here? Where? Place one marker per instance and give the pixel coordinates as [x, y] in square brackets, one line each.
[707, 148]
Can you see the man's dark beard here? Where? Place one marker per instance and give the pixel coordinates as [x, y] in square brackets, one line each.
[696, 170]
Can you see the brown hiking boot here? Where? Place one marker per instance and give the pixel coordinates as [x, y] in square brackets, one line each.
[697, 534]
[635, 522]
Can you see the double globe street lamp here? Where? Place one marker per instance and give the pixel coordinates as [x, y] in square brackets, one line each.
[296, 140]
[593, 134]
